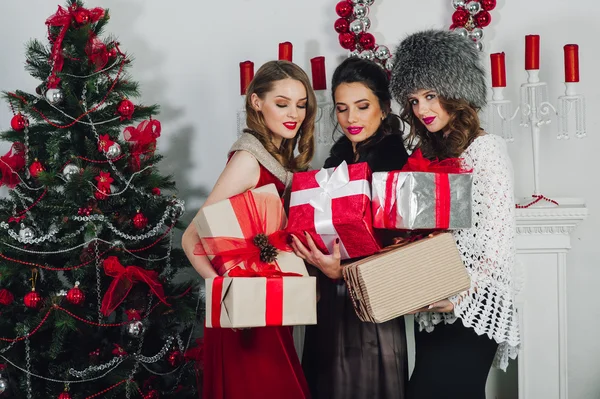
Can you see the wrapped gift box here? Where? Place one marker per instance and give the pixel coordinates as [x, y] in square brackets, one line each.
[334, 203]
[240, 302]
[228, 233]
[406, 278]
[421, 200]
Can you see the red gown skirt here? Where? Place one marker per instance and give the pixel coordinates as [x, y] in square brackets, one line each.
[255, 363]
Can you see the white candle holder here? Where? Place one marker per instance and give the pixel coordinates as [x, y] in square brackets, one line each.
[536, 111]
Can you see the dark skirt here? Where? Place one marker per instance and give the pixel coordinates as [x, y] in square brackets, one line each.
[345, 358]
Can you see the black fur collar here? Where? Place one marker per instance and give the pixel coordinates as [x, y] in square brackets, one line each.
[387, 154]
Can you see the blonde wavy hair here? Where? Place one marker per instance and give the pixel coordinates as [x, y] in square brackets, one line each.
[463, 127]
[262, 83]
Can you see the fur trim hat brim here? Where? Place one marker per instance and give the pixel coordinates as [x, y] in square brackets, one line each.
[439, 60]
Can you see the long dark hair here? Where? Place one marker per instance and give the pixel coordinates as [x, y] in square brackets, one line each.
[357, 70]
[463, 127]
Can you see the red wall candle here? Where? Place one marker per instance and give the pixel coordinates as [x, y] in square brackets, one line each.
[317, 66]
[246, 75]
[498, 70]
[532, 52]
[571, 63]
[285, 51]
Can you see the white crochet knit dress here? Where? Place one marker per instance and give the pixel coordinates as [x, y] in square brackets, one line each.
[488, 252]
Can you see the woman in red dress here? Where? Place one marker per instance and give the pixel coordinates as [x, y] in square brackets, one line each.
[281, 109]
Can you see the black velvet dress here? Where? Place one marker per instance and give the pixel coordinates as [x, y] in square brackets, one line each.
[345, 358]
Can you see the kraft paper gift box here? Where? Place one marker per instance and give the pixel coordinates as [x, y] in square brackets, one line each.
[424, 195]
[228, 230]
[240, 302]
[401, 280]
[332, 204]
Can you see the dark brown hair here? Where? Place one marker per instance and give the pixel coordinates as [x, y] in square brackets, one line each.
[262, 83]
[463, 127]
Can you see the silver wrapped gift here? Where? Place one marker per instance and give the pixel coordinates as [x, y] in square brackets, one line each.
[421, 200]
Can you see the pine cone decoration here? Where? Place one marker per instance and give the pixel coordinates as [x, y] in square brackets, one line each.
[268, 253]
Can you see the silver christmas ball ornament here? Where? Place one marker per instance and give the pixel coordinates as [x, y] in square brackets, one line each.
[479, 45]
[70, 170]
[54, 96]
[367, 23]
[135, 328]
[361, 11]
[367, 55]
[113, 151]
[357, 26]
[458, 4]
[476, 34]
[3, 385]
[462, 31]
[354, 54]
[26, 233]
[382, 53]
[389, 64]
[473, 7]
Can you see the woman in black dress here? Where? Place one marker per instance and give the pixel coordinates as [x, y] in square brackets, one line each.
[345, 358]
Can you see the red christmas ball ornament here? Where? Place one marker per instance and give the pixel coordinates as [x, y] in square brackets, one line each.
[347, 41]
[175, 358]
[460, 17]
[101, 195]
[82, 16]
[75, 295]
[65, 395]
[19, 122]
[343, 9]
[125, 109]
[112, 53]
[341, 25]
[156, 191]
[33, 300]
[153, 394]
[6, 297]
[35, 168]
[488, 5]
[367, 41]
[140, 221]
[483, 19]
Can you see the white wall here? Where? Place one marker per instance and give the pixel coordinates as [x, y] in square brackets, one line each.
[186, 58]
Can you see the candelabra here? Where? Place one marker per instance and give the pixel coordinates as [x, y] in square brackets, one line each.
[536, 111]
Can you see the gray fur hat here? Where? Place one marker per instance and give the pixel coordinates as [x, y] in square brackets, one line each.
[438, 60]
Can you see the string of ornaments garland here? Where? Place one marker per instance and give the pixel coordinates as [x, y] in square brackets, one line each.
[470, 17]
[353, 24]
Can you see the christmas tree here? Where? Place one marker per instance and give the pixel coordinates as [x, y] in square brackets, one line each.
[88, 299]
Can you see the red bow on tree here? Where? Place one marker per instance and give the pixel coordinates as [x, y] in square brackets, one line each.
[11, 164]
[143, 140]
[63, 18]
[96, 52]
[124, 278]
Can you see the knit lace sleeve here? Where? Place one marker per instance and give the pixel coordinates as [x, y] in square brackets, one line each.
[488, 252]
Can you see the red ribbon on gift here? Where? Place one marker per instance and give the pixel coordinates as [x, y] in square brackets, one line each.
[274, 293]
[63, 18]
[143, 140]
[124, 278]
[417, 163]
[257, 213]
[11, 164]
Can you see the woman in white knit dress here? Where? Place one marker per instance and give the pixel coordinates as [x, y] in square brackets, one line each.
[438, 80]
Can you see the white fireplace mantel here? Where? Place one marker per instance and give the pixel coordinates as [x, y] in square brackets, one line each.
[543, 240]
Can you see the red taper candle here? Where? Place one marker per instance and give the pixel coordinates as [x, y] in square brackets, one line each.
[532, 52]
[285, 51]
[498, 70]
[317, 66]
[571, 63]
[246, 75]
